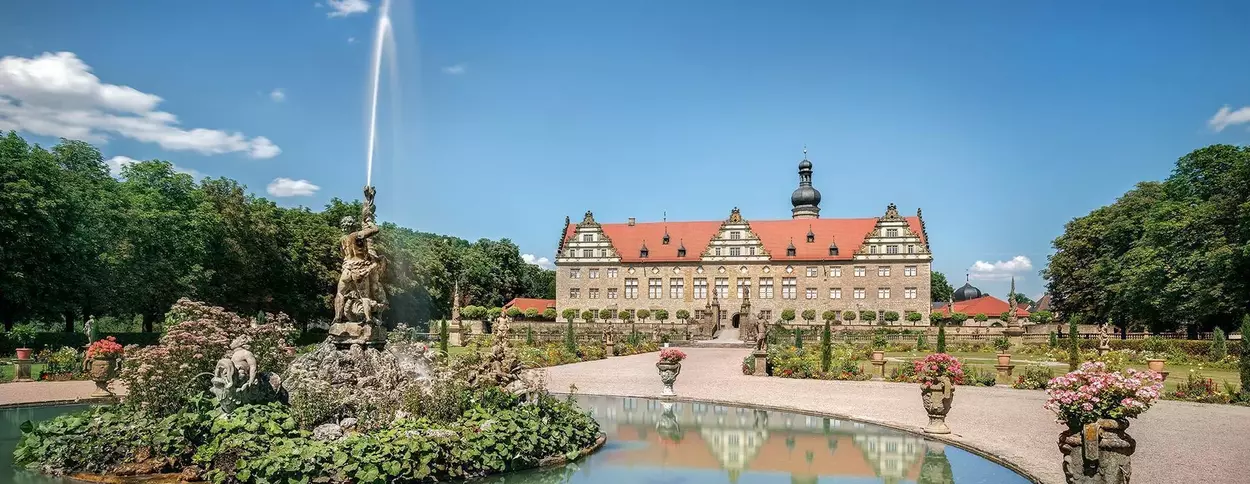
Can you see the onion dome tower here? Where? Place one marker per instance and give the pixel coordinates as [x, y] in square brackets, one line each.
[966, 292]
[805, 199]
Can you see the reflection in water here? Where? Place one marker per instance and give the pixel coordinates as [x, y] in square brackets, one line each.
[651, 441]
[10, 433]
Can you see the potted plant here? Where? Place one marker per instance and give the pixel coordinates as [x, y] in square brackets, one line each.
[938, 374]
[1002, 344]
[1096, 404]
[1154, 364]
[103, 355]
[23, 335]
[879, 343]
[669, 367]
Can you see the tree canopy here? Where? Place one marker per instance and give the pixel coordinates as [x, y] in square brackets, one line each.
[1165, 255]
[940, 290]
[80, 242]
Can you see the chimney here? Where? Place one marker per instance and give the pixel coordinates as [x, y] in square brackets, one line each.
[631, 221]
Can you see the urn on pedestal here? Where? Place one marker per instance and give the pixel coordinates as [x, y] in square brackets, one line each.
[1096, 404]
[103, 357]
[669, 367]
[937, 374]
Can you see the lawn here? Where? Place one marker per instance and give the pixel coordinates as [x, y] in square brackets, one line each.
[7, 371]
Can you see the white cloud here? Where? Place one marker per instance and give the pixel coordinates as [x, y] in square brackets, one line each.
[351, 40]
[1000, 270]
[343, 8]
[455, 70]
[542, 262]
[1226, 117]
[57, 95]
[286, 187]
[278, 95]
[116, 164]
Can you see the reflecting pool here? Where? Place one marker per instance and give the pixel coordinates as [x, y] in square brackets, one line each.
[650, 441]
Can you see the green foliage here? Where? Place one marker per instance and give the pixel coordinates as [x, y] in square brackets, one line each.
[1074, 345]
[1219, 345]
[787, 314]
[661, 315]
[941, 338]
[890, 316]
[791, 362]
[879, 340]
[683, 314]
[1002, 344]
[494, 313]
[798, 337]
[1034, 377]
[868, 316]
[1197, 388]
[826, 346]
[921, 343]
[980, 317]
[444, 337]
[848, 315]
[605, 314]
[809, 315]
[1245, 358]
[939, 289]
[531, 314]
[1054, 340]
[570, 338]
[829, 315]
[958, 318]
[569, 314]
[529, 335]
[643, 314]
[549, 314]
[23, 335]
[515, 312]
[1042, 317]
[914, 317]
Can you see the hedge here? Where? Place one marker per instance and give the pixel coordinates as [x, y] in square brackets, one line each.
[1190, 347]
[55, 340]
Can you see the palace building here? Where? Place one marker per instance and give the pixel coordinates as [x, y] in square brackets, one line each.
[725, 270]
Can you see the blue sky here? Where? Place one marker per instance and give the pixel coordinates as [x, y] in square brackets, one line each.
[1001, 120]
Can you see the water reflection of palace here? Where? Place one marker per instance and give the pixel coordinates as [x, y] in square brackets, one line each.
[738, 440]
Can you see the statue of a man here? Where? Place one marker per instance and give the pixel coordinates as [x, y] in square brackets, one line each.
[1104, 339]
[89, 328]
[761, 334]
[362, 267]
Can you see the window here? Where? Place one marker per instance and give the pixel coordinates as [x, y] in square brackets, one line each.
[588, 252]
[810, 293]
[612, 272]
[666, 239]
[790, 251]
[631, 288]
[811, 237]
[751, 250]
[891, 249]
[835, 272]
[909, 293]
[891, 232]
[676, 288]
[911, 249]
[813, 271]
[744, 288]
[643, 252]
[611, 293]
[574, 293]
[700, 288]
[735, 235]
[588, 237]
[766, 288]
[681, 251]
[789, 288]
[859, 293]
[909, 271]
[861, 271]
[835, 293]
[735, 251]
[655, 288]
[766, 314]
[603, 252]
[872, 249]
[883, 271]
[594, 293]
[575, 273]
[883, 293]
[722, 287]
[594, 273]
[718, 251]
[699, 313]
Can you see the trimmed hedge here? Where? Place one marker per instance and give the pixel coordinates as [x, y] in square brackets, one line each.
[56, 340]
[1188, 346]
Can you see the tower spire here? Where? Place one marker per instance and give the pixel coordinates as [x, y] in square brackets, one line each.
[805, 198]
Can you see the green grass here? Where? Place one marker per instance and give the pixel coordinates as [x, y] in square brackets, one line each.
[7, 371]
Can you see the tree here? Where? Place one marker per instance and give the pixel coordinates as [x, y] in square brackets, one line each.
[1004, 316]
[531, 314]
[606, 314]
[914, 317]
[643, 314]
[939, 289]
[891, 316]
[829, 315]
[444, 338]
[1042, 317]
[515, 312]
[494, 313]
[1021, 298]
[980, 318]
[661, 315]
[1054, 340]
[569, 314]
[868, 316]
[941, 338]
[683, 315]
[809, 315]
[570, 339]
[1074, 345]
[549, 314]
[798, 337]
[1219, 347]
[588, 316]
[1245, 358]
[921, 343]
[848, 316]
[787, 315]
[958, 318]
[826, 347]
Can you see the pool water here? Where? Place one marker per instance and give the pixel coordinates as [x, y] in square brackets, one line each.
[651, 441]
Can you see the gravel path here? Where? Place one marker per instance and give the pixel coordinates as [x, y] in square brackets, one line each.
[1176, 441]
[26, 393]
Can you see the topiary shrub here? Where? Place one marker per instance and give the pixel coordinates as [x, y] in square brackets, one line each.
[1074, 345]
[1245, 358]
[1219, 347]
[941, 338]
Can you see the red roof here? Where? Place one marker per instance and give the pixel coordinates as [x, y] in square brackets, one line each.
[524, 303]
[987, 305]
[776, 235]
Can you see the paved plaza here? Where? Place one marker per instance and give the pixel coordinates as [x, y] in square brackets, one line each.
[1176, 441]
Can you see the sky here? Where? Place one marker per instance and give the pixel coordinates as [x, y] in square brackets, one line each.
[1002, 120]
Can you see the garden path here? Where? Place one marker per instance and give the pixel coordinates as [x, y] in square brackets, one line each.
[1176, 441]
[27, 393]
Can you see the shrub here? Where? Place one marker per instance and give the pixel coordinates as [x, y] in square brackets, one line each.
[1245, 358]
[826, 347]
[798, 338]
[683, 314]
[921, 343]
[1074, 345]
[62, 364]
[914, 317]
[531, 314]
[1093, 392]
[903, 374]
[879, 340]
[979, 377]
[787, 315]
[980, 318]
[569, 314]
[1219, 347]
[1002, 344]
[941, 338]
[867, 316]
[1197, 388]
[23, 335]
[748, 365]
[848, 315]
[570, 338]
[163, 378]
[1034, 377]
[444, 337]
[1054, 340]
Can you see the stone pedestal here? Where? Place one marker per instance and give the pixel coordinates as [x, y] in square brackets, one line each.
[1102, 350]
[455, 335]
[1014, 334]
[1004, 375]
[878, 373]
[22, 370]
[761, 363]
[608, 349]
[345, 335]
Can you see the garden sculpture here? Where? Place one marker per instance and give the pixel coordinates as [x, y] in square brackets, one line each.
[236, 382]
[360, 294]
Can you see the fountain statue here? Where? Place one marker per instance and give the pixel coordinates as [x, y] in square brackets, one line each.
[360, 296]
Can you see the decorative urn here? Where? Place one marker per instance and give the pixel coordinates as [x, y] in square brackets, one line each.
[1004, 359]
[937, 399]
[1155, 365]
[1098, 453]
[669, 367]
[103, 356]
[878, 355]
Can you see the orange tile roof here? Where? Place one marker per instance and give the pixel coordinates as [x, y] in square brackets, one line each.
[776, 236]
[524, 303]
[988, 305]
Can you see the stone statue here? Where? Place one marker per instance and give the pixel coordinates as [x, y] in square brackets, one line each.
[236, 381]
[89, 328]
[761, 334]
[360, 295]
[1104, 339]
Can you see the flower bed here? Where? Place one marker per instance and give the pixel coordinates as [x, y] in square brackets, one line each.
[553, 354]
[792, 362]
[1197, 388]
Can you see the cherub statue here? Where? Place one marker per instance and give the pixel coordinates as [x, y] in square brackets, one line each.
[239, 362]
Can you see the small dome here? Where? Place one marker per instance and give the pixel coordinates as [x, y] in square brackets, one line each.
[966, 292]
[805, 165]
[805, 195]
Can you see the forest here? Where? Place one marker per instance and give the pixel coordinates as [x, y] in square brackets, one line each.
[80, 241]
[1166, 256]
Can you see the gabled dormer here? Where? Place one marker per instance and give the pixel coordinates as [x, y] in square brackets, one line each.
[735, 242]
[587, 244]
[892, 238]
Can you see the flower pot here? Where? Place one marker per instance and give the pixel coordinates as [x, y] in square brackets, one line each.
[1155, 365]
[937, 403]
[877, 355]
[103, 370]
[1097, 453]
[1004, 359]
[24, 353]
[668, 375]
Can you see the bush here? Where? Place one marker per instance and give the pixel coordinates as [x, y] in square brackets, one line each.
[1074, 346]
[903, 374]
[941, 338]
[791, 362]
[1245, 358]
[1196, 388]
[1219, 347]
[979, 377]
[921, 343]
[1034, 377]
[1054, 340]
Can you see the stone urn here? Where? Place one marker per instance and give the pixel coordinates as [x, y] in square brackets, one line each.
[668, 375]
[1155, 365]
[937, 403]
[1004, 359]
[878, 355]
[102, 371]
[1097, 453]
